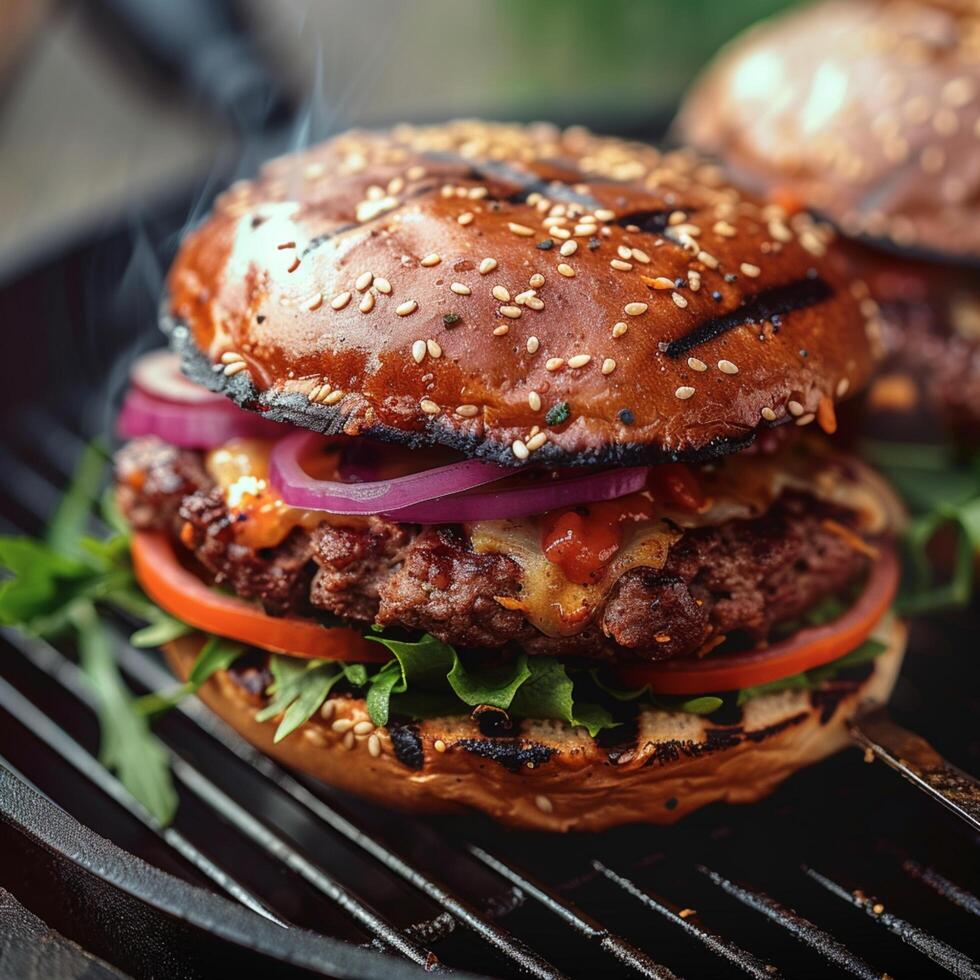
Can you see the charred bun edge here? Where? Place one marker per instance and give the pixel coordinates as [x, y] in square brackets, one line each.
[655, 769]
[295, 409]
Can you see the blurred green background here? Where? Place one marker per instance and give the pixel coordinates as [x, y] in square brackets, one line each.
[85, 135]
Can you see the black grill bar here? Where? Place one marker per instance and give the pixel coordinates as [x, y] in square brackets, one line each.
[802, 929]
[585, 925]
[32, 718]
[941, 885]
[72, 679]
[148, 673]
[687, 919]
[940, 952]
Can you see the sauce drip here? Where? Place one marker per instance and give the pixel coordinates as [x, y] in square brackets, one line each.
[583, 540]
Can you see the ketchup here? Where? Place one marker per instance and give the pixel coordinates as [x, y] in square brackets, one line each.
[583, 540]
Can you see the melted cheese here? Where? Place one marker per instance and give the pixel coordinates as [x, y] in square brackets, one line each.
[739, 487]
[261, 518]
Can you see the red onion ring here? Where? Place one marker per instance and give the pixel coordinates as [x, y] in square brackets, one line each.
[158, 374]
[299, 489]
[190, 425]
[437, 496]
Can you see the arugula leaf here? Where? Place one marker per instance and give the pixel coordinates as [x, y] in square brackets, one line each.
[67, 527]
[299, 688]
[549, 693]
[216, 654]
[162, 629]
[128, 747]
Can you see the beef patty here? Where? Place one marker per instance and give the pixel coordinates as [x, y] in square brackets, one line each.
[743, 576]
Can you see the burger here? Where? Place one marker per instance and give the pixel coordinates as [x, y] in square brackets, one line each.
[504, 456]
[869, 112]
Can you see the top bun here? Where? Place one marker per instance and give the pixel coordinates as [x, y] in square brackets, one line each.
[517, 293]
[868, 111]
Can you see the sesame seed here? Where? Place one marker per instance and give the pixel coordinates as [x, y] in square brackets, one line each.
[367, 303]
[842, 387]
[678, 300]
[342, 725]
[340, 300]
[619, 329]
[724, 229]
[727, 367]
[608, 366]
[561, 233]
[433, 348]
[585, 230]
[501, 330]
[604, 214]
[554, 364]
[232, 369]
[750, 270]
[439, 745]
[635, 309]
[487, 266]
[374, 745]
[327, 710]
[658, 282]
[533, 344]
[460, 289]
[467, 411]
[579, 360]
[348, 741]
[621, 265]
[521, 230]
[623, 252]
[706, 258]
[316, 301]
[640, 256]
[806, 419]
[768, 414]
[466, 218]
[684, 392]
[429, 407]
[536, 441]
[382, 285]
[333, 397]
[696, 365]
[568, 248]
[543, 804]
[534, 401]
[230, 356]
[534, 303]
[519, 449]
[536, 280]
[430, 260]
[500, 293]
[363, 281]
[363, 728]
[676, 218]
[795, 408]
[418, 351]
[512, 312]
[566, 270]
[409, 306]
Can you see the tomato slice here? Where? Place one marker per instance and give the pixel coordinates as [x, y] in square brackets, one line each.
[809, 648]
[182, 594]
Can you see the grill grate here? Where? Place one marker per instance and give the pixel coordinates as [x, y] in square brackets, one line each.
[767, 890]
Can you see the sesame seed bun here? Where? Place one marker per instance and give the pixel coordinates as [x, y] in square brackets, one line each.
[452, 284]
[552, 777]
[866, 110]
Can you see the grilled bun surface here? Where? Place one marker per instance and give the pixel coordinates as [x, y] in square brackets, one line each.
[553, 777]
[486, 286]
[867, 110]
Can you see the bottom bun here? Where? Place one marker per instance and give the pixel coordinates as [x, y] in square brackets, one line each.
[553, 777]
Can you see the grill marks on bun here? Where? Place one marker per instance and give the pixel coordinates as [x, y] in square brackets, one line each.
[767, 306]
[325, 275]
